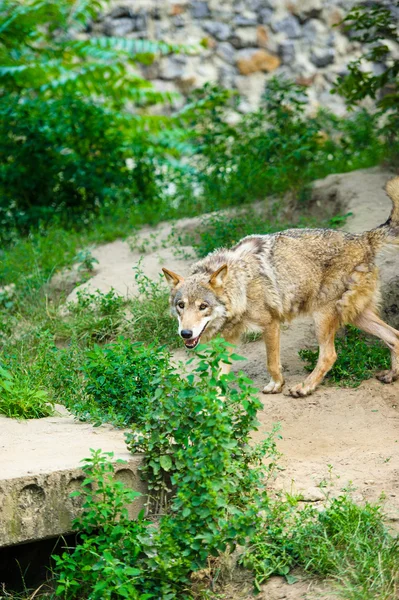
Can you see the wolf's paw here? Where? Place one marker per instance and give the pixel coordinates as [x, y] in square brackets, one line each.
[388, 376]
[273, 387]
[301, 390]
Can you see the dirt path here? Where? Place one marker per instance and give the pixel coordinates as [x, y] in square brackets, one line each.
[340, 438]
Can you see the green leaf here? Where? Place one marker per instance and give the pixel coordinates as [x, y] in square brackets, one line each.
[166, 462]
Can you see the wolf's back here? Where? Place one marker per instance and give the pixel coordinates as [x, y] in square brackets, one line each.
[388, 232]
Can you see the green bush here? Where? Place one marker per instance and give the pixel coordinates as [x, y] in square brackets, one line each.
[20, 399]
[345, 542]
[206, 482]
[359, 358]
[200, 465]
[122, 379]
[106, 561]
[274, 149]
[65, 128]
[372, 26]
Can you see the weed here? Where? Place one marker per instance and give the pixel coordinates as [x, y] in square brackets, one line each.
[346, 542]
[21, 400]
[358, 358]
[106, 561]
[122, 380]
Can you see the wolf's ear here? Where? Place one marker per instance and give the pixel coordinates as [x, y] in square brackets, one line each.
[219, 277]
[172, 279]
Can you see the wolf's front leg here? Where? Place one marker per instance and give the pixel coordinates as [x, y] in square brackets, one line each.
[271, 336]
[326, 324]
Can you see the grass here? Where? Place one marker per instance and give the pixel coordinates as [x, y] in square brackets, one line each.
[359, 358]
[346, 543]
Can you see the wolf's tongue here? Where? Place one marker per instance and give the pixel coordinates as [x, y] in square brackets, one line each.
[191, 343]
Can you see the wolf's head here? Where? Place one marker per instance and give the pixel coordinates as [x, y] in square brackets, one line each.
[197, 302]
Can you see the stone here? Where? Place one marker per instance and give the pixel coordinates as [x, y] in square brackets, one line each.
[289, 25]
[172, 67]
[39, 468]
[262, 36]
[200, 10]
[244, 37]
[226, 52]
[313, 494]
[220, 31]
[265, 16]
[306, 9]
[286, 51]
[118, 27]
[120, 11]
[252, 60]
[322, 57]
[315, 29]
[250, 88]
[227, 76]
[247, 19]
[178, 21]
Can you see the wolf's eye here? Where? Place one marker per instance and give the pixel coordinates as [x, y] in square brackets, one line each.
[203, 306]
[180, 304]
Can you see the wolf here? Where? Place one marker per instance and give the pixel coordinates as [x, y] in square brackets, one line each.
[266, 280]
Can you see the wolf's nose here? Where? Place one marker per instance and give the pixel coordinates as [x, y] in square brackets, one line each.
[186, 334]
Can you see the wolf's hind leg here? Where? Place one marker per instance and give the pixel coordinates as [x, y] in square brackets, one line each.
[326, 323]
[370, 322]
[271, 336]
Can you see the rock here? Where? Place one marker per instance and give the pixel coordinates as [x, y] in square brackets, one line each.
[120, 11]
[315, 30]
[227, 76]
[244, 37]
[289, 25]
[313, 494]
[218, 30]
[118, 27]
[250, 88]
[262, 36]
[226, 52]
[322, 57]
[332, 15]
[252, 60]
[200, 10]
[306, 9]
[247, 19]
[178, 21]
[172, 67]
[265, 16]
[286, 51]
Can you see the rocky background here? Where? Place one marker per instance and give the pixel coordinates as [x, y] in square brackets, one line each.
[242, 43]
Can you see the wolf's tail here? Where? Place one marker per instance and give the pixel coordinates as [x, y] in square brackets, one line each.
[388, 232]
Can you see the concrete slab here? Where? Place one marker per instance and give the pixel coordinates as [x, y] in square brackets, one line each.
[40, 467]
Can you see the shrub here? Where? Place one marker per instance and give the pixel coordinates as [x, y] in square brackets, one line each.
[64, 105]
[20, 399]
[200, 466]
[373, 26]
[346, 542]
[358, 358]
[106, 561]
[122, 379]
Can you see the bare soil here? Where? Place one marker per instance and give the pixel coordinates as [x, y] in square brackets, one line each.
[343, 438]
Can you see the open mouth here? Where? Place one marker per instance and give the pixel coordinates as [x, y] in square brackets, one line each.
[193, 342]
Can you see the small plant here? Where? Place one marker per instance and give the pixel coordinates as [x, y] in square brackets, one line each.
[346, 542]
[373, 26]
[22, 400]
[150, 319]
[359, 358]
[106, 561]
[95, 317]
[205, 478]
[122, 380]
